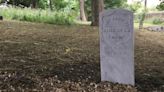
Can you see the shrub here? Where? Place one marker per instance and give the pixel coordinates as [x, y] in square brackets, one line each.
[157, 21]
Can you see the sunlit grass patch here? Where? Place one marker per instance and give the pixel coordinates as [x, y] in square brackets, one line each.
[41, 16]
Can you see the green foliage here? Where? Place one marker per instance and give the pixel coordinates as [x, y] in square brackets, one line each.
[41, 16]
[59, 4]
[142, 16]
[65, 4]
[43, 4]
[114, 3]
[160, 6]
[107, 3]
[134, 7]
[157, 21]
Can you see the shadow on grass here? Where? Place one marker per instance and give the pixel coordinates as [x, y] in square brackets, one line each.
[149, 82]
[87, 72]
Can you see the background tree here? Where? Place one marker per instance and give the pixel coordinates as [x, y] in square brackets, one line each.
[161, 6]
[97, 7]
[82, 11]
[50, 4]
[108, 4]
[142, 17]
[145, 5]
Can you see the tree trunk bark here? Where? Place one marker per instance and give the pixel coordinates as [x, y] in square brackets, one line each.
[145, 5]
[143, 16]
[97, 7]
[34, 3]
[51, 8]
[101, 5]
[82, 11]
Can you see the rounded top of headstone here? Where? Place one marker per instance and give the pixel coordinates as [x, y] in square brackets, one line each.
[112, 11]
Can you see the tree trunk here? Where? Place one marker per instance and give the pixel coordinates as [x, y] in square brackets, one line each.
[101, 5]
[145, 5]
[34, 3]
[143, 16]
[82, 12]
[97, 7]
[51, 8]
[13, 3]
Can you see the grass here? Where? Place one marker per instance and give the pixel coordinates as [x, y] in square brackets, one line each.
[136, 25]
[43, 57]
[41, 16]
[51, 17]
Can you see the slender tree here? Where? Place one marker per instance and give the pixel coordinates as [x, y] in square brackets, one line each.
[50, 4]
[145, 5]
[97, 7]
[142, 18]
[82, 11]
[34, 3]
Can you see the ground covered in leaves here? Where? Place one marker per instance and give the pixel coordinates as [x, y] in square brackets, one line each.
[42, 57]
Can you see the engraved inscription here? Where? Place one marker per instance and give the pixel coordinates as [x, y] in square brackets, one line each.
[116, 46]
[116, 30]
[115, 20]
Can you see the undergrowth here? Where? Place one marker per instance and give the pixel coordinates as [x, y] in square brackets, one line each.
[41, 16]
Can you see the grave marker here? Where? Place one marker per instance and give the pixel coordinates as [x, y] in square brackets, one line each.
[117, 46]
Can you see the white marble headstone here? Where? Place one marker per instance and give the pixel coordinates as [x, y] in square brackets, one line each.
[117, 46]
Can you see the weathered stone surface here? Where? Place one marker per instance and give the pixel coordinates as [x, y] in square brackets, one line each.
[117, 46]
[156, 28]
